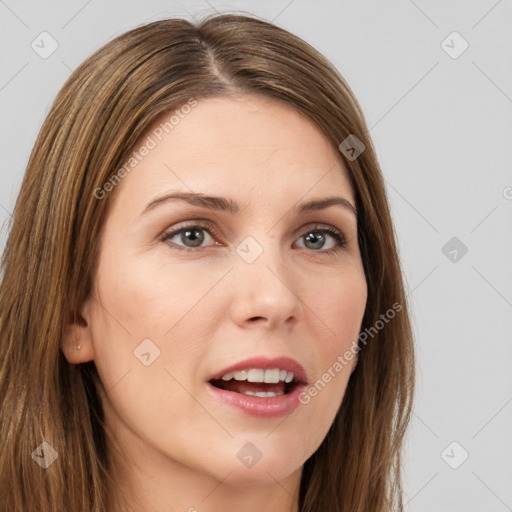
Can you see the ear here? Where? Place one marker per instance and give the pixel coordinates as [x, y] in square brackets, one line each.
[77, 333]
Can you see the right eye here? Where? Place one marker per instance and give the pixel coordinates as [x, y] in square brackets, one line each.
[189, 233]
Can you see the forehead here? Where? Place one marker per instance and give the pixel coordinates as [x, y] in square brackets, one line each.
[253, 146]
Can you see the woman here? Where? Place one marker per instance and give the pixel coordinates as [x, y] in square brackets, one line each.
[202, 305]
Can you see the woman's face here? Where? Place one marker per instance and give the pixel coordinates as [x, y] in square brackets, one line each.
[183, 291]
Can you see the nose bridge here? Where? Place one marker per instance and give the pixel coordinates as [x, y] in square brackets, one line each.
[263, 284]
[260, 250]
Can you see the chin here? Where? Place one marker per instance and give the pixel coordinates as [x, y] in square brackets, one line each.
[258, 475]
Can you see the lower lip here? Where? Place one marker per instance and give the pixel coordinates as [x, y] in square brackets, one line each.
[260, 407]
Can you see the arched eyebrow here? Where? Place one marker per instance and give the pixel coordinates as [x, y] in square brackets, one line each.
[322, 204]
[229, 205]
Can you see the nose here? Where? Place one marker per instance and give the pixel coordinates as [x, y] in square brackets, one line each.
[264, 291]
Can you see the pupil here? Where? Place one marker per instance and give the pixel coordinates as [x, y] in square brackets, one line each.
[196, 239]
[316, 239]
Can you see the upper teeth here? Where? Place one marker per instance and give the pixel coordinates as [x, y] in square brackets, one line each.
[256, 375]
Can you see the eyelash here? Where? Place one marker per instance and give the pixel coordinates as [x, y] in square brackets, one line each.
[337, 235]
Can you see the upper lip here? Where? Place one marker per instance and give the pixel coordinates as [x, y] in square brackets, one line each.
[266, 363]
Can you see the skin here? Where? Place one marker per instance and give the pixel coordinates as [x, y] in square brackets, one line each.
[208, 309]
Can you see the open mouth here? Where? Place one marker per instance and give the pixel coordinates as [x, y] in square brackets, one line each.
[261, 389]
[258, 383]
[273, 385]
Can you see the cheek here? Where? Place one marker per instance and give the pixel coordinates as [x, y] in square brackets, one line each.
[339, 303]
[146, 316]
[148, 297]
[347, 317]
[340, 306]
[151, 299]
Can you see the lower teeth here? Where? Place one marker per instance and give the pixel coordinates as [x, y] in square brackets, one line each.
[262, 394]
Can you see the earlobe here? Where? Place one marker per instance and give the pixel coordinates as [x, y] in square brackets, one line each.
[77, 341]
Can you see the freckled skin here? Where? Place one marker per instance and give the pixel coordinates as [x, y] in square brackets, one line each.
[177, 442]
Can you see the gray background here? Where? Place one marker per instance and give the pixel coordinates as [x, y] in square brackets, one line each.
[442, 130]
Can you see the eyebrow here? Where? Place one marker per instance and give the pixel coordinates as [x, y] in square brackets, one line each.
[229, 205]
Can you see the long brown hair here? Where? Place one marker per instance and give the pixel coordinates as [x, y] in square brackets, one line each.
[51, 252]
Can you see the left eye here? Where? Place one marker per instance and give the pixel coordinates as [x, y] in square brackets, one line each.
[317, 236]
